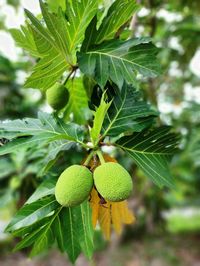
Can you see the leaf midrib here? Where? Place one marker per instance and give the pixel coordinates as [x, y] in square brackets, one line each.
[121, 59]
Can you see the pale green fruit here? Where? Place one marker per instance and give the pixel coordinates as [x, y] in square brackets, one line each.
[57, 96]
[15, 182]
[113, 182]
[74, 185]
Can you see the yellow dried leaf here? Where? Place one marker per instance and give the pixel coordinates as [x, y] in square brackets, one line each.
[94, 203]
[105, 219]
[116, 217]
[127, 215]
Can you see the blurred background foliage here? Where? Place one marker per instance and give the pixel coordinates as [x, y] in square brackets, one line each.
[167, 230]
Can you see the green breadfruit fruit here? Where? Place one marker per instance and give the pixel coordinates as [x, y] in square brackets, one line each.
[57, 96]
[113, 182]
[74, 185]
[15, 182]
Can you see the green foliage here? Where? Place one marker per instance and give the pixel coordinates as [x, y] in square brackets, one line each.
[43, 221]
[78, 102]
[25, 40]
[128, 112]
[45, 129]
[79, 45]
[99, 117]
[150, 151]
[118, 14]
[120, 61]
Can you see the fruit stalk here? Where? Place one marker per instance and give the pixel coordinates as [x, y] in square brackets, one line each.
[88, 159]
[99, 153]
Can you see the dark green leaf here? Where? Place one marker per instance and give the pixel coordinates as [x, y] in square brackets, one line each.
[78, 101]
[32, 213]
[45, 129]
[25, 142]
[46, 188]
[27, 230]
[29, 239]
[85, 230]
[151, 150]
[74, 231]
[128, 112]
[68, 238]
[46, 238]
[54, 149]
[120, 60]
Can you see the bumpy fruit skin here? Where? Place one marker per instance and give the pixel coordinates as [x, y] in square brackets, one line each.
[74, 185]
[57, 96]
[113, 182]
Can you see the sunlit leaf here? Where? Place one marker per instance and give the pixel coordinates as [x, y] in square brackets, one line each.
[45, 129]
[78, 101]
[99, 116]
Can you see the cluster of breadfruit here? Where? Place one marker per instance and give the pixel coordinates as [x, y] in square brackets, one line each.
[110, 179]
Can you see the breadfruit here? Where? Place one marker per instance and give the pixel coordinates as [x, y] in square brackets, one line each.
[15, 182]
[57, 96]
[73, 185]
[113, 182]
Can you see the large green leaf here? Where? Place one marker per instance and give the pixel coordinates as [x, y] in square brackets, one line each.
[128, 112]
[85, 229]
[45, 129]
[25, 40]
[51, 44]
[78, 101]
[46, 237]
[79, 14]
[31, 233]
[54, 150]
[54, 5]
[42, 221]
[118, 14]
[68, 237]
[27, 230]
[26, 142]
[120, 60]
[46, 188]
[151, 150]
[31, 213]
[76, 232]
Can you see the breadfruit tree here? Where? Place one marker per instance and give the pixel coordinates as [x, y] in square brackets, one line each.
[89, 67]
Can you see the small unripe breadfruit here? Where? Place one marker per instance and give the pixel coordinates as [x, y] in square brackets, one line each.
[57, 96]
[74, 185]
[15, 183]
[113, 182]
